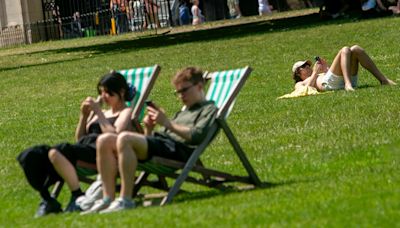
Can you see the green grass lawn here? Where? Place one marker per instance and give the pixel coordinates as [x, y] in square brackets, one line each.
[333, 159]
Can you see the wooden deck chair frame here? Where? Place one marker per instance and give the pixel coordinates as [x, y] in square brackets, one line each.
[211, 178]
[147, 76]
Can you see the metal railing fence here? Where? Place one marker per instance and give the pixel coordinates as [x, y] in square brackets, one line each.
[140, 15]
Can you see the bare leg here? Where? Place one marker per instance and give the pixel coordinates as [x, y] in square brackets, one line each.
[342, 65]
[345, 63]
[131, 147]
[107, 162]
[239, 13]
[64, 168]
[368, 64]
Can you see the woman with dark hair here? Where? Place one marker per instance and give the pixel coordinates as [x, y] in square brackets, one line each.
[44, 165]
[342, 74]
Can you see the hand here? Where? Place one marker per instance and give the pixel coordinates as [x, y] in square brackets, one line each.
[317, 68]
[324, 64]
[95, 104]
[320, 66]
[148, 123]
[86, 107]
[157, 115]
[89, 104]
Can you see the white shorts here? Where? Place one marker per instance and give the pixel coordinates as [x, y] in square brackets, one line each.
[330, 81]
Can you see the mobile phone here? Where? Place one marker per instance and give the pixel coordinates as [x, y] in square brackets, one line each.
[150, 103]
[317, 58]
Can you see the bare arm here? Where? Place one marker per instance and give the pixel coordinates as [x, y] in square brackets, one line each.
[311, 81]
[81, 128]
[158, 115]
[84, 117]
[182, 131]
[319, 67]
[148, 125]
[122, 123]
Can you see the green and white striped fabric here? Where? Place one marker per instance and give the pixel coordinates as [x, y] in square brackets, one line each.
[222, 85]
[138, 77]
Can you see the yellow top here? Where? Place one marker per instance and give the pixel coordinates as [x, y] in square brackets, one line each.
[301, 91]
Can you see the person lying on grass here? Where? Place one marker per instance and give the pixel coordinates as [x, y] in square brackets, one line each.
[177, 139]
[44, 165]
[342, 74]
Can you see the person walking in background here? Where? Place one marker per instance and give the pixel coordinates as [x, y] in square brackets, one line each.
[76, 26]
[198, 17]
[234, 9]
[151, 14]
[118, 9]
[263, 7]
[184, 13]
[342, 74]
[130, 12]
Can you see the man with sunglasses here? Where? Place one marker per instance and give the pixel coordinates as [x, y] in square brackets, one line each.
[177, 139]
[342, 74]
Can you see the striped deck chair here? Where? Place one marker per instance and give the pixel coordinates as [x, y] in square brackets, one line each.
[223, 89]
[143, 80]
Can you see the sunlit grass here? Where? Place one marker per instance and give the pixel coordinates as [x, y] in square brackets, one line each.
[333, 158]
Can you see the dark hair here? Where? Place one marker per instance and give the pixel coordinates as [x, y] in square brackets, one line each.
[113, 83]
[296, 76]
[189, 74]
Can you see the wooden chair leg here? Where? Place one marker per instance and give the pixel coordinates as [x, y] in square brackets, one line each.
[242, 156]
[57, 189]
[139, 182]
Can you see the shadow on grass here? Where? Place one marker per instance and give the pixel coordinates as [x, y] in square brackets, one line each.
[366, 86]
[216, 33]
[184, 196]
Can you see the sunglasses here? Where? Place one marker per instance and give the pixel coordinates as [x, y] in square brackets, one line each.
[183, 90]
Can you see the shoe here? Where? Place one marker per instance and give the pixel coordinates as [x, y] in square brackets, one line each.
[99, 205]
[72, 206]
[119, 205]
[370, 4]
[47, 207]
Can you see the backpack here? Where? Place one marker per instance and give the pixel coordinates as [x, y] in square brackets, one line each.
[92, 194]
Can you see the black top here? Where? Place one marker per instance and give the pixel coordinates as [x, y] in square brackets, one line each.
[95, 126]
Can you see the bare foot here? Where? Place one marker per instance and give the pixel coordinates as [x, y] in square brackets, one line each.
[349, 88]
[388, 82]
